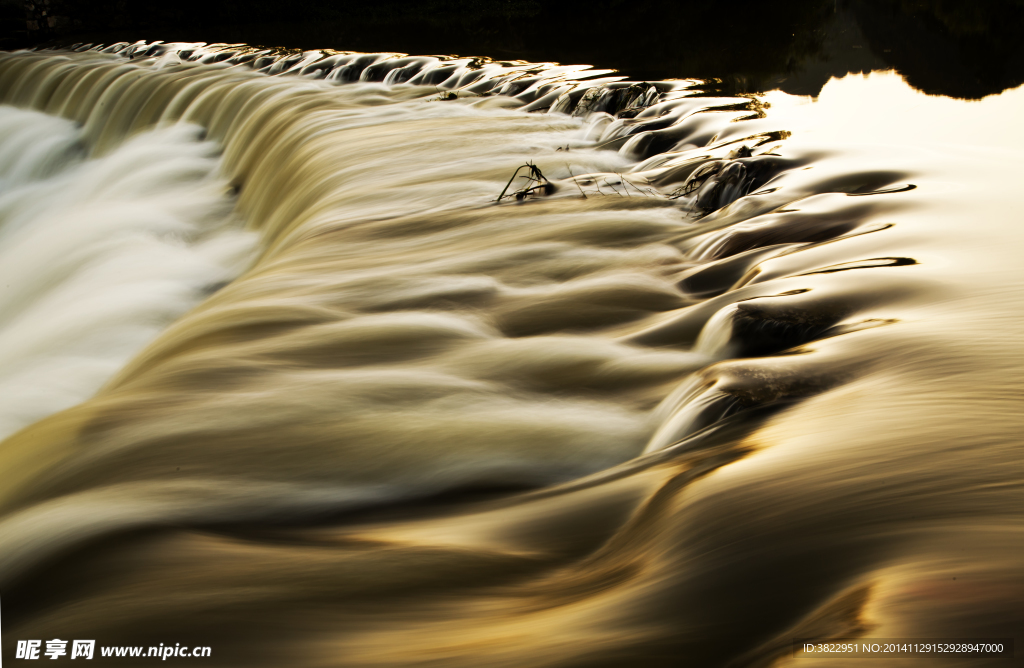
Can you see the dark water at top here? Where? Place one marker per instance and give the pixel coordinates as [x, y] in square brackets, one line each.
[958, 49]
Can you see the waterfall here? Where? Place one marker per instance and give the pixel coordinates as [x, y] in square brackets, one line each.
[373, 359]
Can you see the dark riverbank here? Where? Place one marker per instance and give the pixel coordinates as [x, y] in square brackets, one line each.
[964, 51]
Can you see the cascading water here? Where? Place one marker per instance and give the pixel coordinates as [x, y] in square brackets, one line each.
[284, 374]
[98, 256]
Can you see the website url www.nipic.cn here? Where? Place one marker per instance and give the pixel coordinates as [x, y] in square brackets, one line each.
[86, 649]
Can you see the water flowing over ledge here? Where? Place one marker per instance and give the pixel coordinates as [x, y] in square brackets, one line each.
[718, 369]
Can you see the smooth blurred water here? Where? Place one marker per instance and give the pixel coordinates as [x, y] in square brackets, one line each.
[736, 372]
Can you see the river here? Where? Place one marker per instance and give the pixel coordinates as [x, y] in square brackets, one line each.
[292, 369]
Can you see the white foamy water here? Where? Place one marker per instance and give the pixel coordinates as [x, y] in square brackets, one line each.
[97, 256]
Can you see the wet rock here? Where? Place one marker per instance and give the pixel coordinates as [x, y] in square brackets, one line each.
[758, 330]
[718, 183]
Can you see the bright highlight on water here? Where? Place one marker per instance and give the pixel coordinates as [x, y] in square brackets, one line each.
[285, 372]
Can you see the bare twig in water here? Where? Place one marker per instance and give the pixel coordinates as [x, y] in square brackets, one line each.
[534, 176]
[624, 186]
[627, 182]
[575, 181]
[444, 96]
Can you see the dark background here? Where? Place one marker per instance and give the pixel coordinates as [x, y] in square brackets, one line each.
[960, 48]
